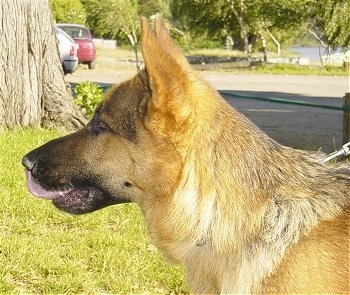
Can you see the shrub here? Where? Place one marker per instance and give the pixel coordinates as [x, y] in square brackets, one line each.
[88, 95]
[68, 11]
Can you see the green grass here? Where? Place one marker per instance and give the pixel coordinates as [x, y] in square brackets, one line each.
[43, 250]
[301, 70]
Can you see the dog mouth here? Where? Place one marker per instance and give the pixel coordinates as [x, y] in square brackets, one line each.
[75, 200]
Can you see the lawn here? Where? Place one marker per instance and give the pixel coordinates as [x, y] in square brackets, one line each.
[44, 250]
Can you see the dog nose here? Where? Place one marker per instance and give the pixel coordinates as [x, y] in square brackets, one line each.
[28, 163]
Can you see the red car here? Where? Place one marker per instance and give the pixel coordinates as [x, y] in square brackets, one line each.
[82, 36]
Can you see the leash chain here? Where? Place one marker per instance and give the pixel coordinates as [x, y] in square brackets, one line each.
[343, 151]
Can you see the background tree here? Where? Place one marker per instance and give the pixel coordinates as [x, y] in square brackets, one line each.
[68, 11]
[204, 23]
[279, 20]
[150, 7]
[236, 19]
[329, 22]
[114, 18]
[121, 18]
[243, 21]
[242, 13]
[32, 87]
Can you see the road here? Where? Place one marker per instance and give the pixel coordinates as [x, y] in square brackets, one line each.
[296, 126]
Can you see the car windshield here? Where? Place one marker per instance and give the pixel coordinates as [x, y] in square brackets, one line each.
[62, 34]
[77, 32]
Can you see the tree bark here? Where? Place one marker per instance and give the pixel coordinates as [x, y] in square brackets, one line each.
[244, 30]
[263, 45]
[33, 91]
[278, 45]
[133, 42]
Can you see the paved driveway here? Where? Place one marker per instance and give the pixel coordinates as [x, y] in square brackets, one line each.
[297, 126]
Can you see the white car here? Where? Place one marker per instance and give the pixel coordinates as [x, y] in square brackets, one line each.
[68, 51]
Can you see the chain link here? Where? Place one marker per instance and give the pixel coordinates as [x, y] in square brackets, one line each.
[343, 151]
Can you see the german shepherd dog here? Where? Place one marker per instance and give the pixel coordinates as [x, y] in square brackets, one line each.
[240, 212]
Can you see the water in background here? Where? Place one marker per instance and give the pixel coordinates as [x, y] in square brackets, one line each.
[311, 52]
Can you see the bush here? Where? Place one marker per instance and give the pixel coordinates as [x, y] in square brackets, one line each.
[68, 11]
[88, 95]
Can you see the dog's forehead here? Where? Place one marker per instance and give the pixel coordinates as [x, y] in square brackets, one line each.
[119, 108]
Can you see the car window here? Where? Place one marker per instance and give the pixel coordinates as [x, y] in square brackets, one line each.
[61, 35]
[77, 32]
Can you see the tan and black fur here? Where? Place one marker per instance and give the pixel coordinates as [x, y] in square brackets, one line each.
[240, 212]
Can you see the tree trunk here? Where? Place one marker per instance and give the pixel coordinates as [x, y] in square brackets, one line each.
[133, 42]
[244, 30]
[313, 33]
[263, 47]
[278, 45]
[33, 91]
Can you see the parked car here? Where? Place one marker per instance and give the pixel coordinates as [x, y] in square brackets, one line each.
[68, 50]
[83, 37]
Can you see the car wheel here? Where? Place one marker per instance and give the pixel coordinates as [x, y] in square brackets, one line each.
[92, 65]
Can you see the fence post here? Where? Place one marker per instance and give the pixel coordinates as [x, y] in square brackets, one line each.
[346, 118]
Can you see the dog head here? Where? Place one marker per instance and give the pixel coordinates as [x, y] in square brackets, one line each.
[132, 150]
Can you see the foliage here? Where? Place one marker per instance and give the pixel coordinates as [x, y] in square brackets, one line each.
[68, 11]
[240, 21]
[112, 18]
[225, 18]
[148, 8]
[237, 19]
[120, 18]
[328, 19]
[190, 41]
[331, 20]
[210, 22]
[88, 95]
[290, 69]
[195, 19]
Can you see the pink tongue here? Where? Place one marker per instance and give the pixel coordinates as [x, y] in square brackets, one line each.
[35, 189]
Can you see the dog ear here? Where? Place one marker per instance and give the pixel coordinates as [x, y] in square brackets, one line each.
[168, 72]
[164, 38]
[158, 47]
